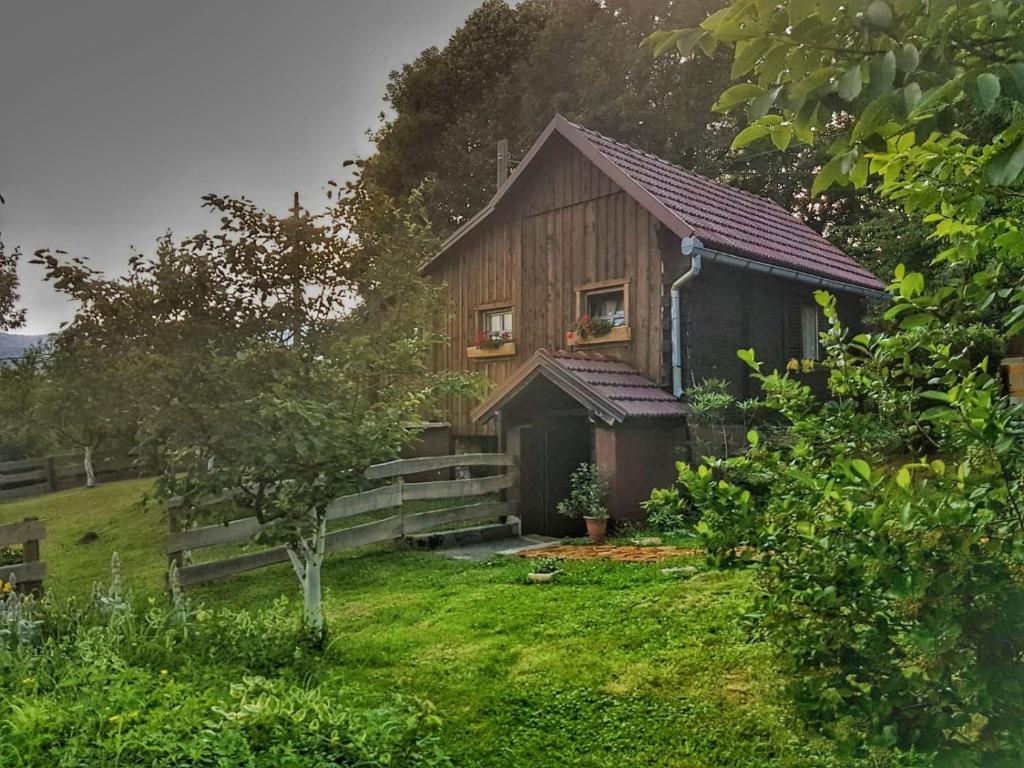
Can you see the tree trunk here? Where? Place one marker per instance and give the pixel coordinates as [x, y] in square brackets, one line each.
[307, 560]
[90, 473]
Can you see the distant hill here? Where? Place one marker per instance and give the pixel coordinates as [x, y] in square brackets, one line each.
[15, 344]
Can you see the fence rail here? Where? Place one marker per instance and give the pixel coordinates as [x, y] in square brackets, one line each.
[392, 528]
[30, 573]
[47, 474]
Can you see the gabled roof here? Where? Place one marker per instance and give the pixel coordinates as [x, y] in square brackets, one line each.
[688, 204]
[608, 388]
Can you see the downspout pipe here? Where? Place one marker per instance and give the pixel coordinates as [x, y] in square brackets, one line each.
[688, 248]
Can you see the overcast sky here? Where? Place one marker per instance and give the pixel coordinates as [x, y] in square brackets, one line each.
[117, 115]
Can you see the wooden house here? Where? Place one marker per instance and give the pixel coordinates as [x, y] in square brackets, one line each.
[674, 273]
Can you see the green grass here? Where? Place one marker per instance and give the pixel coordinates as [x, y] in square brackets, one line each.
[610, 665]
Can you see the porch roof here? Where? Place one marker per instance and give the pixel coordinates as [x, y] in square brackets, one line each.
[606, 387]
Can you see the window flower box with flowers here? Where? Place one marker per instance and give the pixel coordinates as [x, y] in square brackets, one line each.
[595, 330]
[492, 344]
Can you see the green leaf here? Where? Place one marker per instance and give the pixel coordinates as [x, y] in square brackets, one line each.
[883, 74]
[736, 95]
[1005, 167]
[940, 97]
[985, 90]
[801, 9]
[753, 438]
[911, 97]
[861, 467]
[879, 14]
[688, 40]
[759, 107]
[850, 84]
[782, 136]
[748, 53]
[1013, 81]
[749, 135]
[875, 114]
[907, 58]
[903, 478]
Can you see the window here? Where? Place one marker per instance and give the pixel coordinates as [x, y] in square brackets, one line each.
[802, 341]
[497, 321]
[608, 300]
[607, 305]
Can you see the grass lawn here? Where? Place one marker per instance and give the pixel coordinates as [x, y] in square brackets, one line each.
[610, 665]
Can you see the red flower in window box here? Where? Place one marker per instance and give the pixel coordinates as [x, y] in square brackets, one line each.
[492, 339]
[586, 326]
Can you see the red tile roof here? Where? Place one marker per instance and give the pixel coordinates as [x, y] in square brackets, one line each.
[607, 387]
[731, 220]
[633, 392]
[723, 218]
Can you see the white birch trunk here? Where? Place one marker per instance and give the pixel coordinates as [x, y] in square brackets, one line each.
[90, 473]
[307, 562]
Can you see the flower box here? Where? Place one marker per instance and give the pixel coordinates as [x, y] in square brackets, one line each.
[614, 336]
[508, 349]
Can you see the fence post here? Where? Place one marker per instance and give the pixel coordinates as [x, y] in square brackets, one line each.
[178, 558]
[30, 554]
[400, 484]
[51, 474]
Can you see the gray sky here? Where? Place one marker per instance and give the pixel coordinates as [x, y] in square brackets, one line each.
[117, 115]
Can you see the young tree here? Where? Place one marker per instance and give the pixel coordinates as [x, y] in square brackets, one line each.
[280, 357]
[10, 316]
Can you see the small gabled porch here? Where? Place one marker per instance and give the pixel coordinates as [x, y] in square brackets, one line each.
[561, 409]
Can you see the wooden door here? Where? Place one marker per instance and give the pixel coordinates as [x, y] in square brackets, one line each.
[549, 451]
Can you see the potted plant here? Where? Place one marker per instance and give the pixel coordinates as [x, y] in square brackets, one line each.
[586, 499]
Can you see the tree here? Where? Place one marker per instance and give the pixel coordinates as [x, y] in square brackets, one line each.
[892, 523]
[10, 316]
[279, 356]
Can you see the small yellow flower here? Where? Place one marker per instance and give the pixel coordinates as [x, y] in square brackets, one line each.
[163, 672]
[793, 364]
[115, 718]
[28, 680]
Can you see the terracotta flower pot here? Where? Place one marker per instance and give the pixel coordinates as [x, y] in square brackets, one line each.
[597, 527]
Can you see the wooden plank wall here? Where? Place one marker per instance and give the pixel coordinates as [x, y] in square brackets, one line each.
[566, 225]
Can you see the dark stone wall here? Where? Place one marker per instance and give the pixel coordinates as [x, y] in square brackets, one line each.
[725, 309]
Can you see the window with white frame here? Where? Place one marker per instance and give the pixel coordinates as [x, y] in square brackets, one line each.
[498, 321]
[607, 304]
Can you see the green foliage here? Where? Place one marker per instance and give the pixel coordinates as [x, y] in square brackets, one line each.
[670, 512]
[10, 315]
[711, 400]
[143, 684]
[892, 532]
[588, 491]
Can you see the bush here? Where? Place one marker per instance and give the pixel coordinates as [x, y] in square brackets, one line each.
[141, 684]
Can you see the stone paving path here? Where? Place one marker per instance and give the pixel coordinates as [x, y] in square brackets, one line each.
[620, 554]
[485, 549]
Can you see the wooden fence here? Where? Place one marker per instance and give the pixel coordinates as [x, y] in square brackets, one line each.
[30, 573]
[47, 474]
[391, 528]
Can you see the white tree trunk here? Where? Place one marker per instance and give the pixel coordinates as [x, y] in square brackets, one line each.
[90, 473]
[306, 561]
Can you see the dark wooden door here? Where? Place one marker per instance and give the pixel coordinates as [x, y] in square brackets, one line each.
[549, 452]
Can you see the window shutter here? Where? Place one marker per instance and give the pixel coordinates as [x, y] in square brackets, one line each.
[794, 343]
